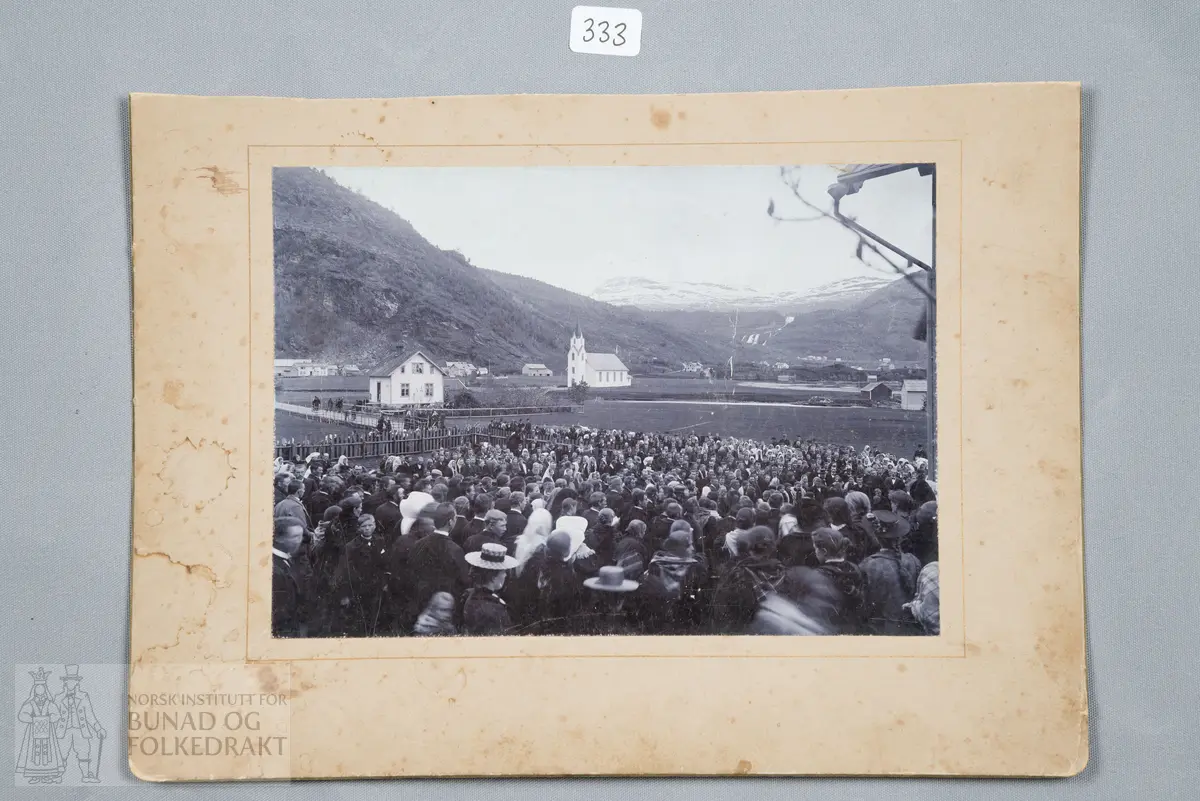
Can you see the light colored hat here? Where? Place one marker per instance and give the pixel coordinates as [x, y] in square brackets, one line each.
[494, 556]
[611, 579]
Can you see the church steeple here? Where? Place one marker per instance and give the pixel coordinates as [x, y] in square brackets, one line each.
[576, 358]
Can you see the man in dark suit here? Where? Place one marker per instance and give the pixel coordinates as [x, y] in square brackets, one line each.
[387, 514]
[436, 563]
[512, 506]
[287, 593]
[480, 506]
[458, 528]
[496, 525]
[592, 513]
[378, 497]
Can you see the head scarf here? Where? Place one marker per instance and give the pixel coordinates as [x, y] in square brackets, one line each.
[411, 507]
[537, 530]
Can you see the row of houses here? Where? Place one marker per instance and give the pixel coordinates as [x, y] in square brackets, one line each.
[305, 368]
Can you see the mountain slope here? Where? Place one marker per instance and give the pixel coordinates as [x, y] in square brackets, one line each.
[879, 325]
[648, 294]
[354, 282]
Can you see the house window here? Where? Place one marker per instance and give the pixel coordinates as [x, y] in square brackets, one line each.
[379, 392]
[429, 390]
[404, 390]
[418, 368]
[401, 368]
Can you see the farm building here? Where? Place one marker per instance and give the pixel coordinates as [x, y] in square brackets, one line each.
[289, 366]
[912, 395]
[876, 392]
[413, 380]
[536, 369]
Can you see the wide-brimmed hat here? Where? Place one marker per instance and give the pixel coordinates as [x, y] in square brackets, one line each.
[611, 579]
[494, 556]
[889, 525]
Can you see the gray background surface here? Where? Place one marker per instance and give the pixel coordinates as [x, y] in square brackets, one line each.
[65, 328]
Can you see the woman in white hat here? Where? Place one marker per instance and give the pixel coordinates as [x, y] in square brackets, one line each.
[484, 611]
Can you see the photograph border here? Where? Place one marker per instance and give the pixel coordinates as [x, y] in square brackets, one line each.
[1010, 701]
[946, 155]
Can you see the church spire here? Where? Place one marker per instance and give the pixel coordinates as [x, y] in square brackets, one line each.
[577, 334]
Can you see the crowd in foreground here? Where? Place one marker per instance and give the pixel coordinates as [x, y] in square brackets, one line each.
[607, 532]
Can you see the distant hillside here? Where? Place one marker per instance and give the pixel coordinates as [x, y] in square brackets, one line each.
[877, 326]
[354, 282]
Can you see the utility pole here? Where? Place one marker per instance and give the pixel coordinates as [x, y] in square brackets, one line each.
[849, 182]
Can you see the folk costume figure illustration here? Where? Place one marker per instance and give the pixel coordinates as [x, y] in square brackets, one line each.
[77, 728]
[40, 760]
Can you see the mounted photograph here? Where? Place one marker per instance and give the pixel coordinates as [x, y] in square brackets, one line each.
[587, 401]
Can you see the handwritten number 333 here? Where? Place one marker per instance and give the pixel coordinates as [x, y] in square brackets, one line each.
[617, 37]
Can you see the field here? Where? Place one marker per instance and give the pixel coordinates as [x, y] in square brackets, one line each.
[891, 430]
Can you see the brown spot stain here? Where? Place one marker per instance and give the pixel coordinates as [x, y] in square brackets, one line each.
[172, 393]
[994, 182]
[229, 127]
[225, 420]
[744, 766]
[901, 668]
[221, 181]
[681, 115]
[1056, 472]
[382, 119]
[660, 118]
[1020, 383]
[267, 679]
[196, 472]
[162, 212]
[989, 406]
[177, 181]
[973, 650]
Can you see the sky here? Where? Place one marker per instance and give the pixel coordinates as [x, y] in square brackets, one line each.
[576, 227]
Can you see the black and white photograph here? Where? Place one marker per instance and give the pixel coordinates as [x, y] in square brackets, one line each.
[623, 400]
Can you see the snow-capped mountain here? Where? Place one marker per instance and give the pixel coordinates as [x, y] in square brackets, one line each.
[651, 295]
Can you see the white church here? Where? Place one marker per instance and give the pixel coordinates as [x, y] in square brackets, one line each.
[595, 369]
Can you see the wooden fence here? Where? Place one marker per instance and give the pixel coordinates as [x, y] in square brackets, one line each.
[412, 444]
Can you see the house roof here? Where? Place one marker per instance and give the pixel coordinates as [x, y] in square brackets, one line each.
[605, 361]
[915, 385]
[388, 367]
[873, 385]
[538, 366]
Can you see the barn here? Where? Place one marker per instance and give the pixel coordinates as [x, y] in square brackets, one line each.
[539, 369]
[912, 395]
[876, 392]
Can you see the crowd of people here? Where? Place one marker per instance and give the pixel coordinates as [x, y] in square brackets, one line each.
[573, 531]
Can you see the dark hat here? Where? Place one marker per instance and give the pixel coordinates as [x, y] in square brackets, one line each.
[888, 525]
[678, 542]
[745, 517]
[558, 546]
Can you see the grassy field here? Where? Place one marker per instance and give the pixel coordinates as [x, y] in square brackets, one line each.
[891, 430]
